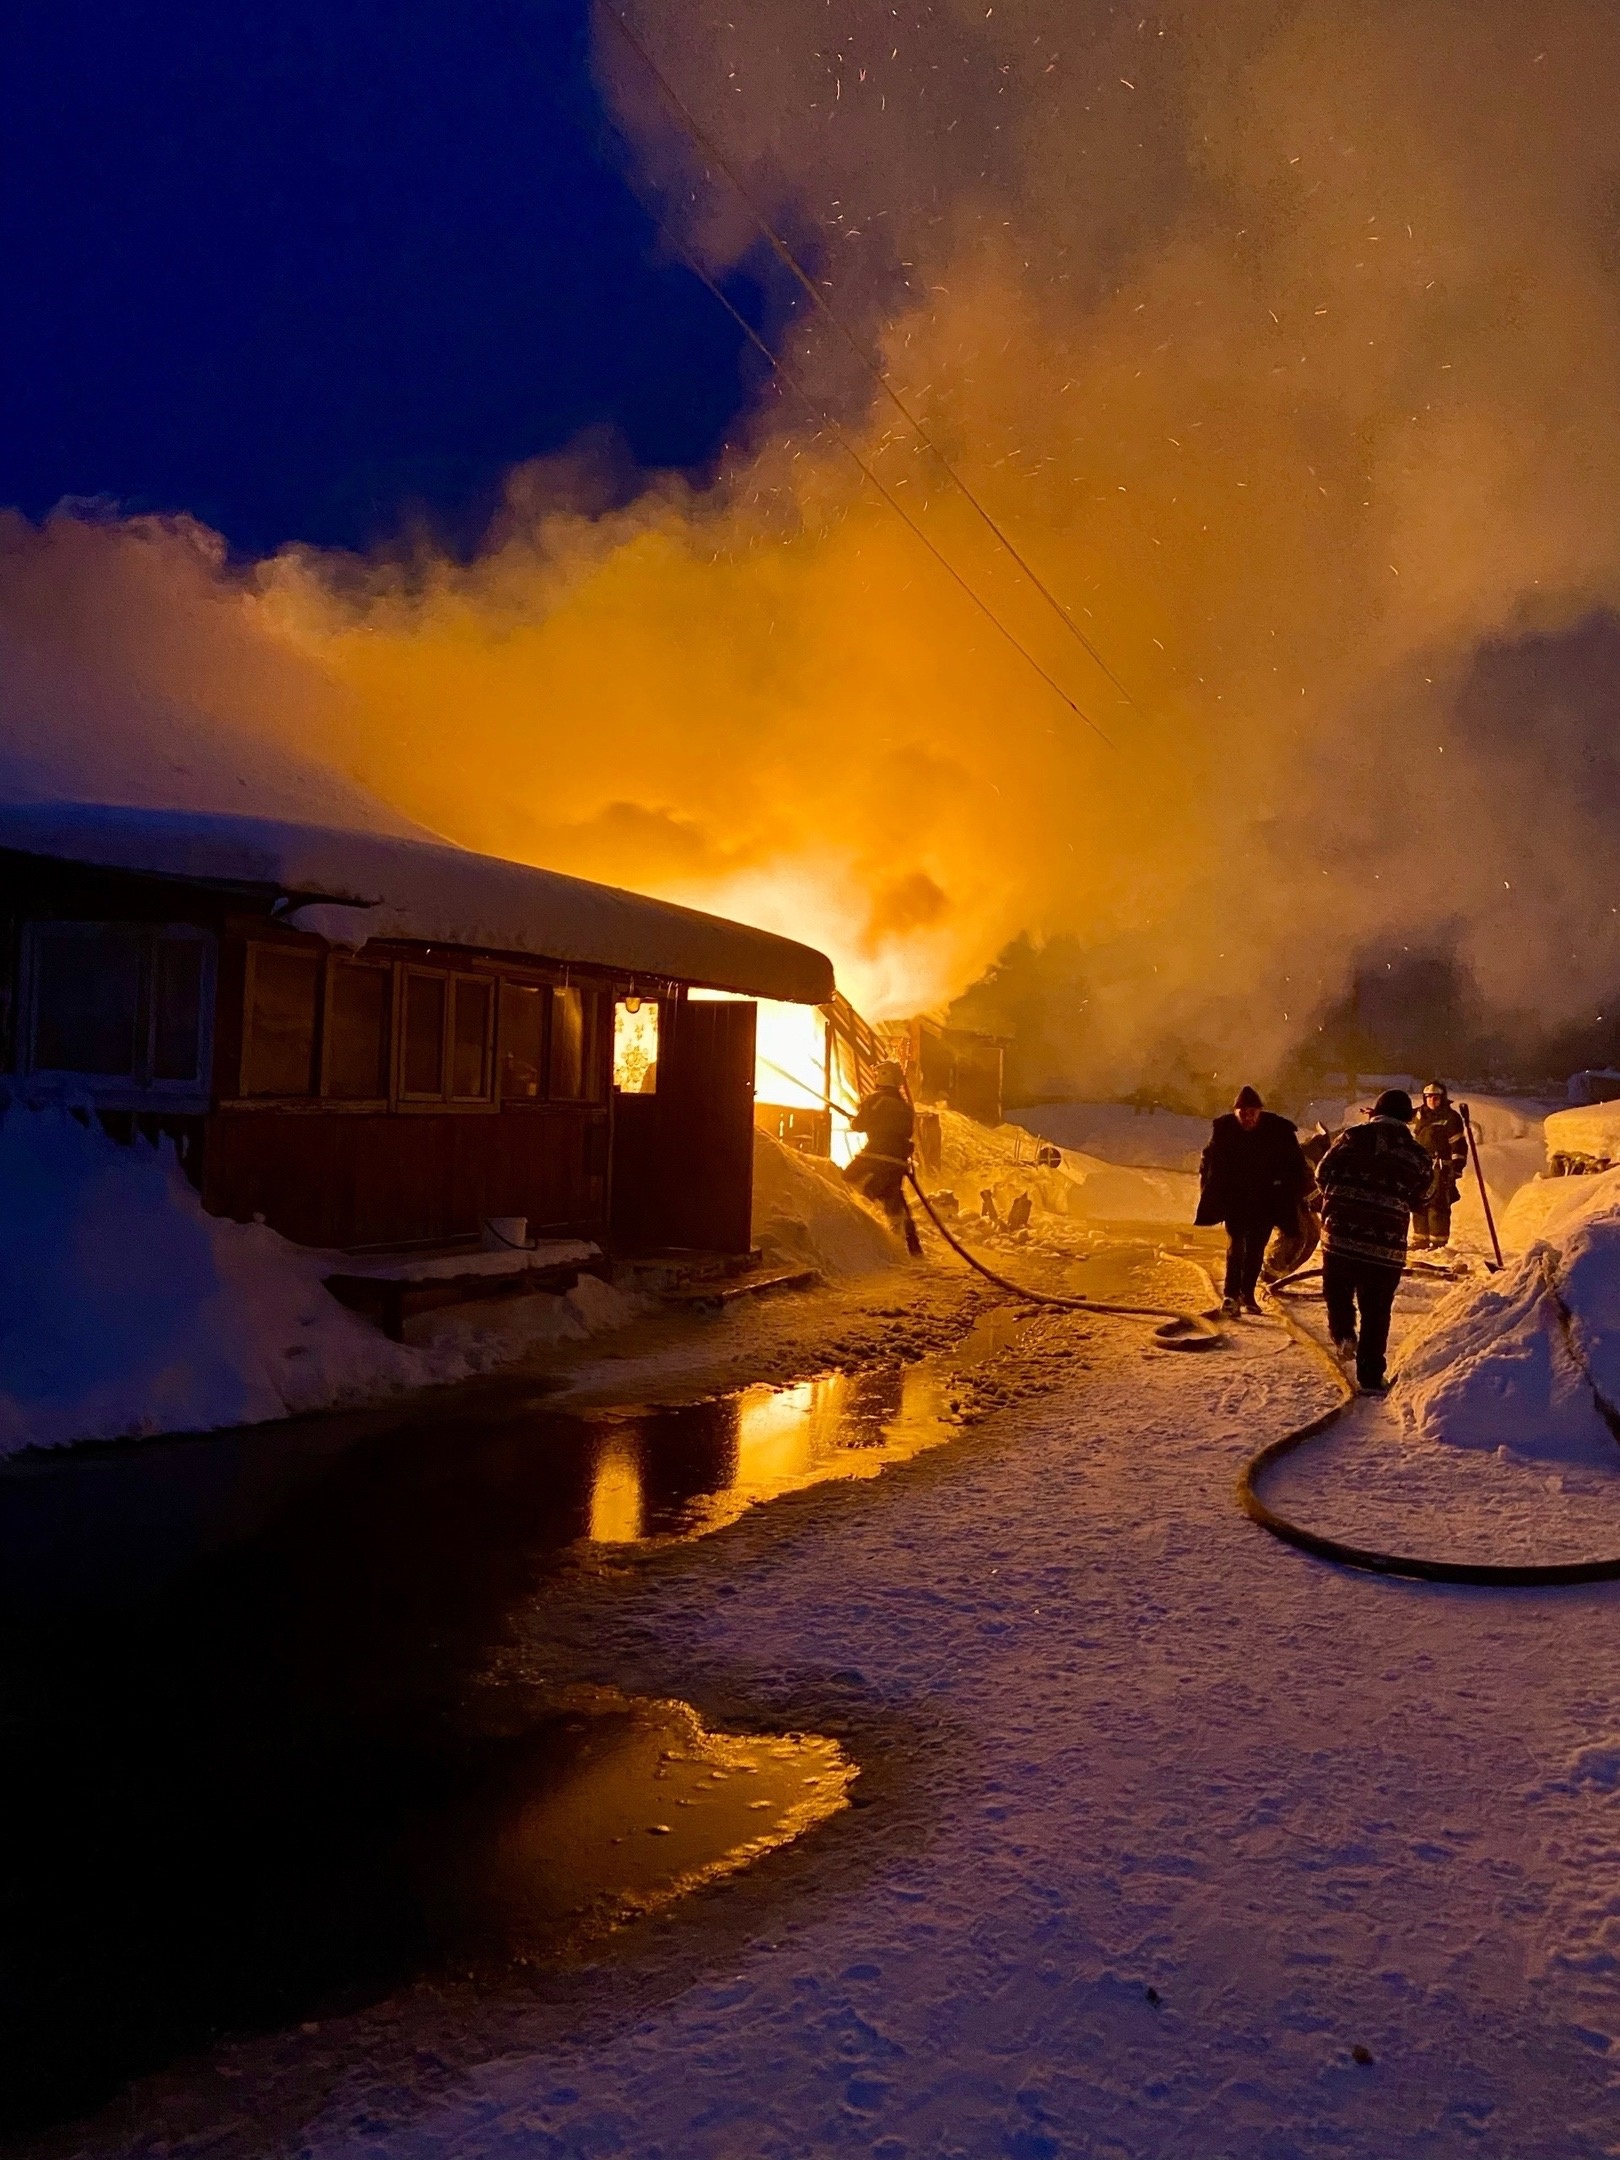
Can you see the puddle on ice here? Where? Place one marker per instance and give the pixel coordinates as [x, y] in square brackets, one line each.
[251, 1867]
[270, 1790]
[239, 1677]
[619, 1810]
[684, 1470]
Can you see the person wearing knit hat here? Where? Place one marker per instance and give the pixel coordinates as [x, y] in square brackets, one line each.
[1252, 1178]
[1372, 1178]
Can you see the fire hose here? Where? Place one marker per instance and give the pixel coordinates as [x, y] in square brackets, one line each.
[1486, 1574]
[1190, 1330]
[1179, 1330]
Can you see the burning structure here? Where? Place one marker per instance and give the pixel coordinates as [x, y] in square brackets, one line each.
[362, 1039]
[1284, 353]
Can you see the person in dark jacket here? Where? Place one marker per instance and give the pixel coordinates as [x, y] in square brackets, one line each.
[1372, 1178]
[1440, 1129]
[878, 1172]
[1252, 1178]
[1290, 1249]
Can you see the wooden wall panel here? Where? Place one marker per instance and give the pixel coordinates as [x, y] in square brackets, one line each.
[340, 1180]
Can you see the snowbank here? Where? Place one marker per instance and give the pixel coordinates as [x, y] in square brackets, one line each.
[1119, 1133]
[1593, 1131]
[974, 1159]
[126, 1309]
[806, 1216]
[1497, 1366]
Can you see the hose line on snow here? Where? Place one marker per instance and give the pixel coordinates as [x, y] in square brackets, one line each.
[1195, 1330]
[1486, 1574]
[1179, 1328]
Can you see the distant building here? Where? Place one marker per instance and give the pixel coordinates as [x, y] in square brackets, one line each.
[367, 1040]
[959, 1067]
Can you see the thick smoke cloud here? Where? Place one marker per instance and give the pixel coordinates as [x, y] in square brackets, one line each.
[1284, 339]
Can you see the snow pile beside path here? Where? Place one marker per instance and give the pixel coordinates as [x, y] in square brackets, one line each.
[974, 1159]
[806, 1216]
[1120, 1133]
[1547, 1207]
[1593, 1130]
[125, 1308]
[1496, 1367]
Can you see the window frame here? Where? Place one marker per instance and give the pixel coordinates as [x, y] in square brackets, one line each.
[332, 961]
[407, 1098]
[317, 1056]
[414, 1100]
[139, 1089]
[542, 987]
[494, 977]
[489, 1099]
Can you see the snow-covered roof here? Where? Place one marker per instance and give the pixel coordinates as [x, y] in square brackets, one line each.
[353, 886]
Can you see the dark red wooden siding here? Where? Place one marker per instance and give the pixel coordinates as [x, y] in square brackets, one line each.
[325, 1178]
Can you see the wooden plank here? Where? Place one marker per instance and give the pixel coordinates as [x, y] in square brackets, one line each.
[725, 1289]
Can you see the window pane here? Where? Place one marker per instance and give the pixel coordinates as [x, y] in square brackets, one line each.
[357, 1032]
[88, 979]
[523, 1011]
[469, 1064]
[280, 1049]
[567, 1044]
[177, 980]
[635, 1047]
[424, 1034]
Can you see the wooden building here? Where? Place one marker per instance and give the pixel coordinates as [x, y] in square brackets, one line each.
[366, 1040]
[956, 1066]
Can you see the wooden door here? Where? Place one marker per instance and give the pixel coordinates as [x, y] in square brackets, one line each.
[683, 1159]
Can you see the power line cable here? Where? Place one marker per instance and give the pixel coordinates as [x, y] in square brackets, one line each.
[824, 419]
[818, 299]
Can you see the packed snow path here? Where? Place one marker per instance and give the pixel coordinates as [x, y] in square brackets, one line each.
[1175, 1826]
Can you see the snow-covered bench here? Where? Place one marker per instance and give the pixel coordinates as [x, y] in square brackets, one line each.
[389, 1287]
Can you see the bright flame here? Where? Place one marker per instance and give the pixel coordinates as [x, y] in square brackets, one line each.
[802, 1063]
[1286, 357]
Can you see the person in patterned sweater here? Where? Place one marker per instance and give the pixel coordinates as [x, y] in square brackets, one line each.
[1371, 1179]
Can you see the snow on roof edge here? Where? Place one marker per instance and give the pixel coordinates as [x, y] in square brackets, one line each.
[428, 891]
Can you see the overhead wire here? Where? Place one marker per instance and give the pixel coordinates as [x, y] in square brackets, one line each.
[823, 418]
[709, 149]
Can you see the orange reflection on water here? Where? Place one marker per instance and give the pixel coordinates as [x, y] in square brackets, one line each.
[616, 1501]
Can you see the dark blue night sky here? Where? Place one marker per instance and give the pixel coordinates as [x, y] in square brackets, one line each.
[313, 268]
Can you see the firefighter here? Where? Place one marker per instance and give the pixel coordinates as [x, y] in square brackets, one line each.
[1440, 1129]
[1252, 1178]
[1372, 1178]
[878, 1172]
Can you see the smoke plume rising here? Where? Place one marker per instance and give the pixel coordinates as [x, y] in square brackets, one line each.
[1283, 338]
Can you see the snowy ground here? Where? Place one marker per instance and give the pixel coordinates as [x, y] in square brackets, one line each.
[1163, 1822]
[1167, 1840]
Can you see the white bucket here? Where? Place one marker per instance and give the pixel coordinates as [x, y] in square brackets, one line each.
[506, 1233]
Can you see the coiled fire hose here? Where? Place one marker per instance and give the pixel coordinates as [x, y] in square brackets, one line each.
[1196, 1330]
[1179, 1330]
[1486, 1574]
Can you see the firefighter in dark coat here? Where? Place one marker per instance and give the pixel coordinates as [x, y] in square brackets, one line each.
[1252, 1178]
[1440, 1129]
[1372, 1178]
[878, 1172]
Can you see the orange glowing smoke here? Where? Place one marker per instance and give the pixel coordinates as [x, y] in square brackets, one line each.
[1285, 343]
